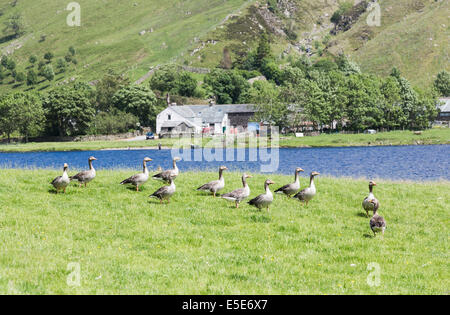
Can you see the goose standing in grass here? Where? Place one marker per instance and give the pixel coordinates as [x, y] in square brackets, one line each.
[138, 179]
[239, 194]
[86, 176]
[166, 175]
[216, 185]
[367, 204]
[61, 182]
[263, 200]
[165, 192]
[291, 189]
[377, 223]
[307, 194]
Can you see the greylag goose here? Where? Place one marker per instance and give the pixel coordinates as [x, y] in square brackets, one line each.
[377, 223]
[291, 189]
[61, 182]
[165, 192]
[307, 194]
[138, 179]
[239, 194]
[216, 185]
[86, 176]
[166, 175]
[367, 204]
[263, 200]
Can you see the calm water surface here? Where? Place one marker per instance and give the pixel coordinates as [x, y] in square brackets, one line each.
[387, 162]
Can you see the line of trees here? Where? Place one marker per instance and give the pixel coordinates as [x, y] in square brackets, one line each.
[113, 106]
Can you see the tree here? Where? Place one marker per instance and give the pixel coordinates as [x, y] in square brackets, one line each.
[8, 124]
[33, 59]
[228, 86]
[263, 51]
[139, 101]
[164, 79]
[114, 122]
[14, 26]
[442, 83]
[186, 84]
[20, 77]
[4, 61]
[48, 56]
[61, 65]
[69, 111]
[32, 77]
[11, 65]
[29, 113]
[48, 72]
[72, 51]
[269, 108]
[107, 87]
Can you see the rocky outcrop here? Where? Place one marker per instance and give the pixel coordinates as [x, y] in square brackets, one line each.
[347, 20]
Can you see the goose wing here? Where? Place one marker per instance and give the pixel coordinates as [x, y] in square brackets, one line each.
[377, 222]
[235, 194]
[161, 192]
[209, 185]
[302, 194]
[284, 188]
[81, 176]
[56, 180]
[132, 180]
[165, 175]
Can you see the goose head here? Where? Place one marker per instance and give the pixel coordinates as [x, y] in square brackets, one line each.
[147, 159]
[66, 166]
[92, 159]
[313, 174]
[299, 169]
[372, 183]
[176, 159]
[245, 176]
[269, 182]
[223, 168]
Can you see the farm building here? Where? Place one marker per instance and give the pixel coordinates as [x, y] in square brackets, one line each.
[210, 119]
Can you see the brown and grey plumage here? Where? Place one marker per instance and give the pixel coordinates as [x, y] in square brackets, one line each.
[138, 179]
[86, 176]
[377, 223]
[217, 185]
[165, 192]
[166, 175]
[61, 182]
[307, 194]
[239, 194]
[367, 204]
[263, 200]
[291, 189]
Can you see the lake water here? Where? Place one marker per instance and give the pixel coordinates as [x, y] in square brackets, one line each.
[387, 162]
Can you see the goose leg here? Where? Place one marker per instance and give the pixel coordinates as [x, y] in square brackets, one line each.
[237, 204]
[137, 188]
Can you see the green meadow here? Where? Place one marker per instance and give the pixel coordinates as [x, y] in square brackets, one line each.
[126, 243]
[432, 136]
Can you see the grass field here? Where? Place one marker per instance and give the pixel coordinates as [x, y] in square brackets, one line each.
[433, 136]
[125, 243]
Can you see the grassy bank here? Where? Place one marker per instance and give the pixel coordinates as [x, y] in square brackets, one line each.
[126, 243]
[433, 136]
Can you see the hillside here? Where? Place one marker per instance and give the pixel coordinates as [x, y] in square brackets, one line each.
[133, 36]
[109, 35]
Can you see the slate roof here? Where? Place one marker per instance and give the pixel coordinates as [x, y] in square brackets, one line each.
[446, 104]
[211, 114]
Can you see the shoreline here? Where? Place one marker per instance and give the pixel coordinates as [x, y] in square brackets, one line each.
[438, 136]
[144, 148]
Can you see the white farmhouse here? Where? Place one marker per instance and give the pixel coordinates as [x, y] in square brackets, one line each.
[213, 119]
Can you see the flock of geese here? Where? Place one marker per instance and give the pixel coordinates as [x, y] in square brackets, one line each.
[369, 204]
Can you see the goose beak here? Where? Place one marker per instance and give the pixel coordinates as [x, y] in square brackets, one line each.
[300, 169]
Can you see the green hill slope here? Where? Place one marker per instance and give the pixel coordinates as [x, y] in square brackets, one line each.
[132, 36]
[109, 33]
